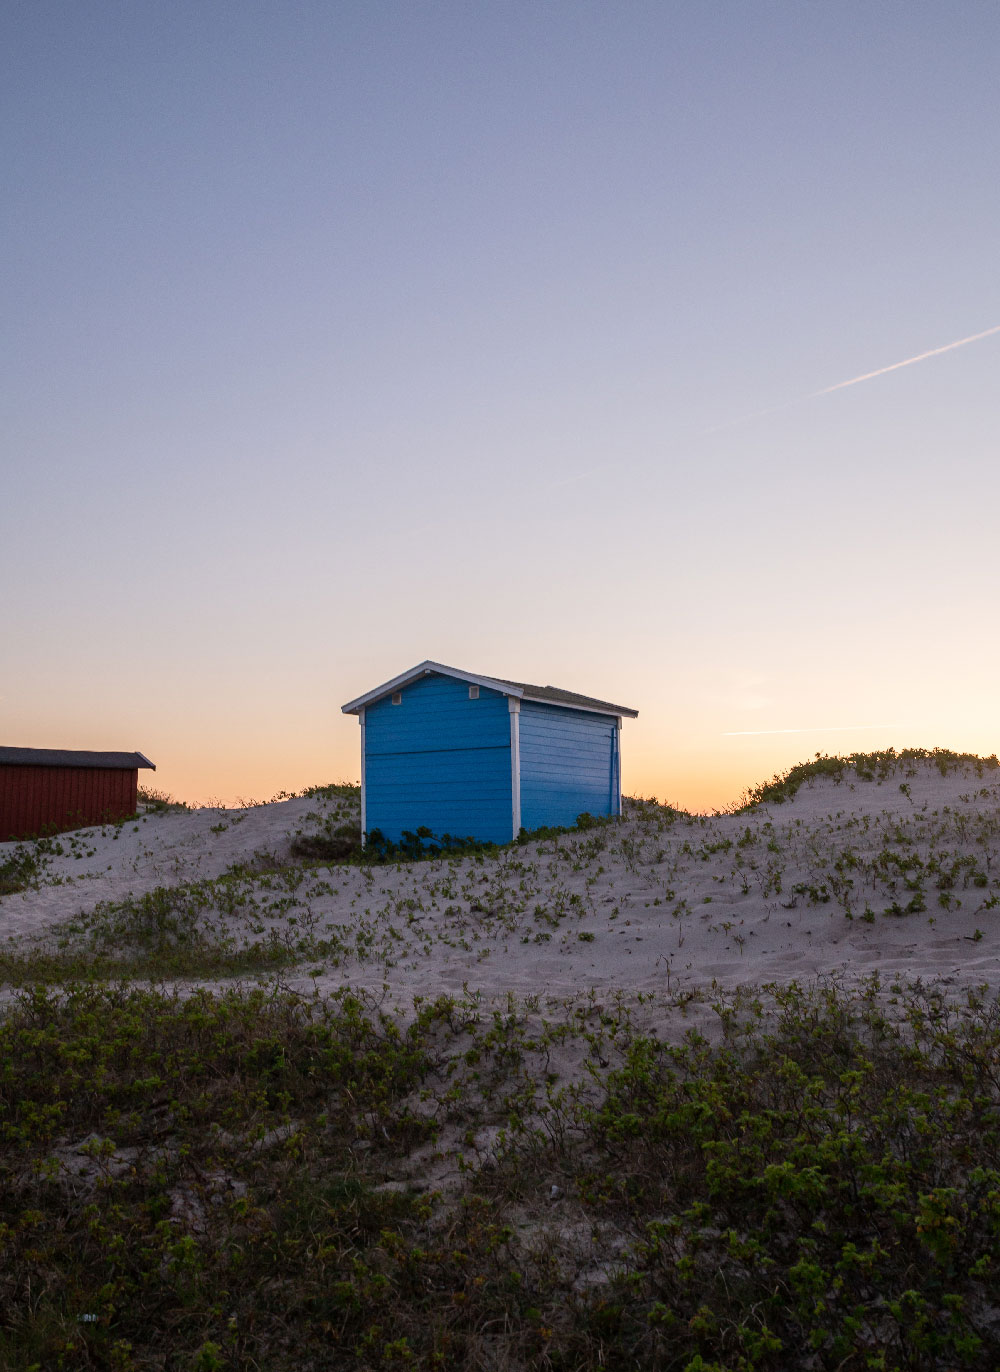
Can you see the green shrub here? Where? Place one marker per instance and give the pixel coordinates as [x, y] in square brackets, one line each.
[203, 1182]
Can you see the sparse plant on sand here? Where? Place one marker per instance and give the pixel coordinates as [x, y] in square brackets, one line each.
[159, 802]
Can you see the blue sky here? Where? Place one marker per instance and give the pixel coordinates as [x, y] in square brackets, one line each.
[339, 336]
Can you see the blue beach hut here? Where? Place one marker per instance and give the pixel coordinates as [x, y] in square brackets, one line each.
[481, 757]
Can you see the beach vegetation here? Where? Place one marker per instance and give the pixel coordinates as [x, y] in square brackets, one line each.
[257, 1178]
[19, 869]
[215, 1154]
[154, 802]
[870, 767]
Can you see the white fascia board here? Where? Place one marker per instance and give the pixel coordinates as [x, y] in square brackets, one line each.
[146, 762]
[427, 669]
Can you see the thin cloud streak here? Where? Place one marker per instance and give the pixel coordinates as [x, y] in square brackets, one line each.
[817, 729]
[856, 380]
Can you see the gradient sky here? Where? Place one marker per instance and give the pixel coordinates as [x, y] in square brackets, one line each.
[340, 336]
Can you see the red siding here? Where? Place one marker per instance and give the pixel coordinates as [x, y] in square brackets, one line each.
[37, 800]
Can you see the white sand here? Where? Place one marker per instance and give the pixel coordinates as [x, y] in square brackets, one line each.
[644, 905]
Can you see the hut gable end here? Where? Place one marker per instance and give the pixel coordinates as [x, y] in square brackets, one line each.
[440, 760]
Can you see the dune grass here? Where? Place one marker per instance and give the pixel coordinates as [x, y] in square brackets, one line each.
[878, 766]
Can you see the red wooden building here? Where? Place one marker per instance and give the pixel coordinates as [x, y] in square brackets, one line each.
[44, 790]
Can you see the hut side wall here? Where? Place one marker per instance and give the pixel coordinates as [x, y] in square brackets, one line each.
[568, 765]
[36, 800]
[440, 760]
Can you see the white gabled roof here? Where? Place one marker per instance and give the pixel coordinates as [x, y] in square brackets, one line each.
[546, 695]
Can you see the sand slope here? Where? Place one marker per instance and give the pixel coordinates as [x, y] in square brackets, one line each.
[899, 876]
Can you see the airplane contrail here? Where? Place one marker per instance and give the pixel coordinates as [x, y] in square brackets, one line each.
[855, 380]
[817, 729]
[907, 362]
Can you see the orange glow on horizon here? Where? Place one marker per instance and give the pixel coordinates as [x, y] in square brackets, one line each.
[715, 779]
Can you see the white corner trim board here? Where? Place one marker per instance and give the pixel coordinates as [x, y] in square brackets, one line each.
[618, 765]
[514, 706]
[364, 807]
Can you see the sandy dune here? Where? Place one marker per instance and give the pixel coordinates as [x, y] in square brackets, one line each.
[899, 877]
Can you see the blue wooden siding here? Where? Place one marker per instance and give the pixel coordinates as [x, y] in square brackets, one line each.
[567, 765]
[441, 760]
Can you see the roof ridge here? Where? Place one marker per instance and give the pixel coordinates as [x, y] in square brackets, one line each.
[551, 695]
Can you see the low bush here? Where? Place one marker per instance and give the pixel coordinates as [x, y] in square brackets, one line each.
[247, 1180]
[19, 870]
[341, 845]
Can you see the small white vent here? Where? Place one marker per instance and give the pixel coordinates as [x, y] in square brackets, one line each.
[473, 692]
[397, 698]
